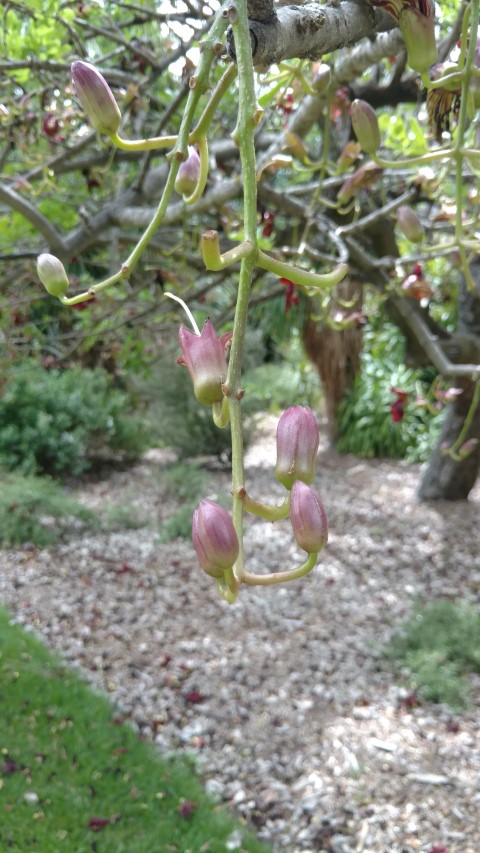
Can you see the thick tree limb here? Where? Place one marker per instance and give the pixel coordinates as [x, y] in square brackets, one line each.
[16, 202]
[307, 32]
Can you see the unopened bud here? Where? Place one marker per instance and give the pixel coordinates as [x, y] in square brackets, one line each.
[188, 173]
[308, 518]
[322, 78]
[410, 224]
[297, 446]
[418, 30]
[96, 98]
[204, 355]
[214, 538]
[52, 274]
[365, 125]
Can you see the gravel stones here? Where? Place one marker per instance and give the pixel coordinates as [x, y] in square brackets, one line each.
[284, 697]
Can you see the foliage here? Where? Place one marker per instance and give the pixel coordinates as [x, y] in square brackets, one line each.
[438, 646]
[289, 380]
[37, 510]
[96, 782]
[365, 424]
[56, 422]
[185, 483]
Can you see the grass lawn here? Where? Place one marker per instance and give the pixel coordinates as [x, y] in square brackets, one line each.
[72, 779]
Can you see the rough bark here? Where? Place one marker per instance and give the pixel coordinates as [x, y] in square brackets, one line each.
[308, 32]
[445, 478]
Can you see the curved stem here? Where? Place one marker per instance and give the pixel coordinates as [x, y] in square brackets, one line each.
[281, 577]
[203, 176]
[300, 276]
[270, 513]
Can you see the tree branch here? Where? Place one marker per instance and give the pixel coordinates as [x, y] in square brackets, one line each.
[39, 222]
[307, 32]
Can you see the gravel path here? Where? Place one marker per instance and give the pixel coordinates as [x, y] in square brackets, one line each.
[283, 697]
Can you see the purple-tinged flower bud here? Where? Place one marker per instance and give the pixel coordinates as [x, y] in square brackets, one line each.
[214, 538]
[52, 274]
[96, 98]
[188, 173]
[410, 224]
[365, 125]
[297, 446]
[204, 355]
[308, 518]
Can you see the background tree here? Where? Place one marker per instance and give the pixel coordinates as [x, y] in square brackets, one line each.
[321, 198]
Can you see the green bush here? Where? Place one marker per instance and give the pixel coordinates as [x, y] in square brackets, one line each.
[56, 422]
[439, 645]
[365, 425]
[36, 510]
[185, 483]
[182, 423]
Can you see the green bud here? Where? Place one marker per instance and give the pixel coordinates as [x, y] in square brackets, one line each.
[365, 125]
[410, 224]
[52, 274]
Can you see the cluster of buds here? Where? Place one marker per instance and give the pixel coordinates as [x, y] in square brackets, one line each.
[213, 533]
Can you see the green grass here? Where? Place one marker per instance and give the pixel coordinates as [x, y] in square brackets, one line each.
[60, 741]
[439, 646]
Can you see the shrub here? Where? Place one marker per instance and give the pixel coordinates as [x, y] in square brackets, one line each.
[439, 645]
[185, 483]
[58, 422]
[37, 510]
[182, 423]
[365, 425]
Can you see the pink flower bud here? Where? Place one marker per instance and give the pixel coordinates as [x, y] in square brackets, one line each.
[410, 224]
[297, 445]
[365, 125]
[188, 173]
[96, 98]
[308, 518]
[214, 538]
[52, 274]
[204, 355]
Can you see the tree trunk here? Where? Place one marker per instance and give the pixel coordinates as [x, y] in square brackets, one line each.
[336, 352]
[445, 478]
